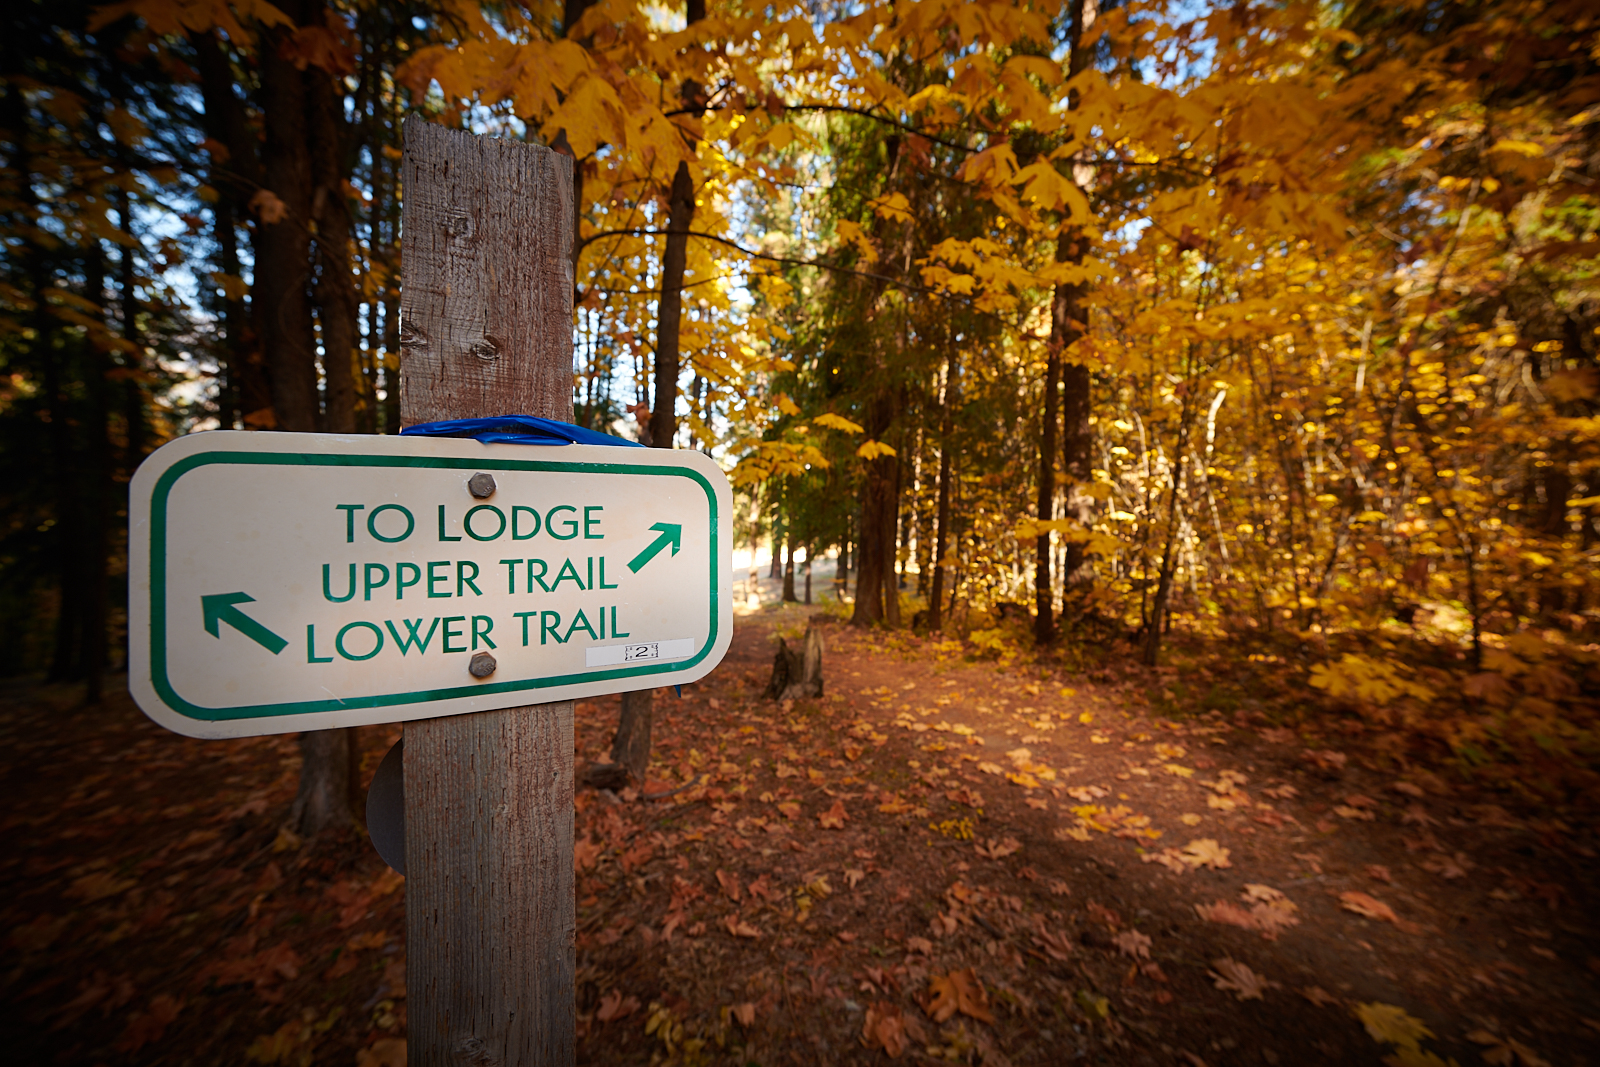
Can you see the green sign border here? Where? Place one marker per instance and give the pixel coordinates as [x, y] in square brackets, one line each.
[158, 579]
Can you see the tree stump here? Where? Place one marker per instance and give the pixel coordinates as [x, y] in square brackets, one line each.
[797, 674]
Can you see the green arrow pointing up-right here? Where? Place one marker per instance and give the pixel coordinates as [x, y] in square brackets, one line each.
[671, 534]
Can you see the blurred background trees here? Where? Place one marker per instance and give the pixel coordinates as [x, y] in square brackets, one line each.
[1054, 323]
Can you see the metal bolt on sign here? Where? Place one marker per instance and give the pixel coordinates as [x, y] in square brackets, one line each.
[481, 486]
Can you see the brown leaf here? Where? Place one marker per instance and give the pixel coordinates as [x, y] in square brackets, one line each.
[1372, 908]
[1205, 853]
[957, 991]
[267, 205]
[1170, 858]
[149, 1025]
[614, 1005]
[347, 962]
[834, 817]
[39, 934]
[744, 1013]
[1223, 911]
[1133, 944]
[1368, 906]
[1234, 977]
[385, 1052]
[1448, 867]
[919, 944]
[98, 886]
[995, 850]
[730, 885]
[885, 1028]
[1506, 1051]
[586, 852]
[1318, 996]
[739, 928]
[1056, 946]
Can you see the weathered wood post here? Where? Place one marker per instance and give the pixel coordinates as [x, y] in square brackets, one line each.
[486, 329]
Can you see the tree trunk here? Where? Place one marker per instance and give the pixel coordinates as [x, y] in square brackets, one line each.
[808, 574]
[841, 574]
[337, 303]
[669, 315]
[330, 782]
[1044, 620]
[283, 247]
[874, 563]
[788, 570]
[631, 747]
[941, 535]
[1068, 322]
[135, 425]
[636, 723]
[97, 488]
[1169, 559]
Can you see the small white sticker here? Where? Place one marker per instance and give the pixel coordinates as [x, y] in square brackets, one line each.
[638, 652]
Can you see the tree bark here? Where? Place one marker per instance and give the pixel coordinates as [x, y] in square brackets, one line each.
[941, 536]
[1044, 620]
[797, 675]
[490, 911]
[283, 248]
[337, 302]
[669, 314]
[874, 556]
[97, 487]
[1068, 322]
[1067, 314]
[788, 569]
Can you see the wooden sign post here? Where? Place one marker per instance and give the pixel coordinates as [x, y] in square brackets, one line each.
[486, 313]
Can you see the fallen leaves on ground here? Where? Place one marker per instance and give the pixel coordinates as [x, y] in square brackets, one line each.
[1270, 912]
[888, 1027]
[385, 1052]
[834, 817]
[1505, 1051]
[739, 928]
[614, 1005]
[1132, 943]
[995, 850]
[957, 991]
[1231, 976]
[1205, 853]
[1370, 907]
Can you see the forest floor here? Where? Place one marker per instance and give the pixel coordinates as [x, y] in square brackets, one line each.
[943, 859]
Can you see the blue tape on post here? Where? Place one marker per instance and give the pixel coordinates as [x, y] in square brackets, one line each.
[518, 430]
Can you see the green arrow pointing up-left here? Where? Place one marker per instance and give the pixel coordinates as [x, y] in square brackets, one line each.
[219, 608]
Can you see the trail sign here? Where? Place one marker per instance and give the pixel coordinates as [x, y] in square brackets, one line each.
[286, 582]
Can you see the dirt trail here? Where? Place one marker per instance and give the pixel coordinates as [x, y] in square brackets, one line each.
[955, 861]
[1116, 858]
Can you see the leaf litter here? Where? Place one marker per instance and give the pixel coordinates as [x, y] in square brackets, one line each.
[725, 893]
